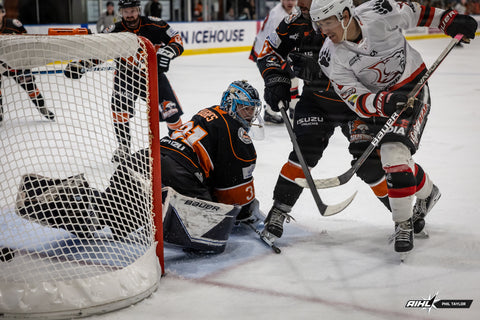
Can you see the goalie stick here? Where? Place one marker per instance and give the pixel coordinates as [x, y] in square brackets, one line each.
[325, 210]
[345, 177]
[267, 241]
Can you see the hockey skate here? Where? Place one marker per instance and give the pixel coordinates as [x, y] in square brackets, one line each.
[403, 237]
[271, 116]
[274, 224]
[421, 208]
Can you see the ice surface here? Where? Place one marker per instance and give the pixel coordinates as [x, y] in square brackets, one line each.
[339, 267]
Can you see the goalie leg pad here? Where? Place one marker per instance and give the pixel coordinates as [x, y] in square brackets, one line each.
[196, 225]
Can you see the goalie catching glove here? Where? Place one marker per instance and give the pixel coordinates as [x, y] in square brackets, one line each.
[164, 55]
[76, 69]
[277, 88]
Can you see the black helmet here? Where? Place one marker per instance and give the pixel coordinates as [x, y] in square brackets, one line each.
[239, 95]
[128, 3]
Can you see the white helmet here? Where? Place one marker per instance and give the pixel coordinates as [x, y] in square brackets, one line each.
[322, 9]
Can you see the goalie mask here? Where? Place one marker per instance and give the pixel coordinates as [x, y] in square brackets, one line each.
[242, 102]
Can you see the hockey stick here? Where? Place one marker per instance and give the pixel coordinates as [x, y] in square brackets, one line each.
[325, 210]
[345, 177]
[96, 68]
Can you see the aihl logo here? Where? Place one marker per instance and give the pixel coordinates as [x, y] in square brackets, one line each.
[421, 303]
[439, 304]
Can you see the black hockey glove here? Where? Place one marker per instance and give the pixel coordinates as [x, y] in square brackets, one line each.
[387, 103]
[453, 23]
[164, 55]
[76, 69]
[277, 88]
[305, 67]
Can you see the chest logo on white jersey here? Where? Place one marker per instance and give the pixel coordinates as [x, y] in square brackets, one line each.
[387, 71]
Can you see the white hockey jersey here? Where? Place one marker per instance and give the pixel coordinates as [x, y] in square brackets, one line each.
[271, 22]
[383, 60]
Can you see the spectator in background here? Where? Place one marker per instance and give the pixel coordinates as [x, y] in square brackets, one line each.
[473, 7]
[198, 11]
[107, 18]
[230, 16]
[153, 9]
[245, 14]
[461, 7]
[252, 9]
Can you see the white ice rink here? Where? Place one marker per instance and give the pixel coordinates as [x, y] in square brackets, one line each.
[339, 267]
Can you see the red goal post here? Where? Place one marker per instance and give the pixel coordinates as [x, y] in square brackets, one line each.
[75, 240]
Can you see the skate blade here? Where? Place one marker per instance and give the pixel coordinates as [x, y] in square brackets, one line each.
[267, 237]
[422, 234]
[403, 256]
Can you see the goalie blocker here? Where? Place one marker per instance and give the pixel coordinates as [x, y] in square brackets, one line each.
[72, 205]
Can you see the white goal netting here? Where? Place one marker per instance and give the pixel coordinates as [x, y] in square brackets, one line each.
[78, 170]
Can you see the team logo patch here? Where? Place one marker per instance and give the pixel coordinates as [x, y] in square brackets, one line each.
[272, 61]
[16, 23]
[243, 136]
[169, 108]
[382, 7]
[294, 36]
[248, 171]
[324, 58]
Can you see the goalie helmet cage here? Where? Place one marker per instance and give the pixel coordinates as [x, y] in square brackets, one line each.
[71, 246]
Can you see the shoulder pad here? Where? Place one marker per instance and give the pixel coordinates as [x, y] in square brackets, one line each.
[293, 16]
[16, 23]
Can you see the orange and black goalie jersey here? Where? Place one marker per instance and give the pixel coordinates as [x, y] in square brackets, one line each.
[215, 145]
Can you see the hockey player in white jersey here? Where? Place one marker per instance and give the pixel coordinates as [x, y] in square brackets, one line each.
[279, 12]
[373, 69]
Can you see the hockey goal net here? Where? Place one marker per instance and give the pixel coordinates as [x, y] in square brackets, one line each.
[80, 231]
